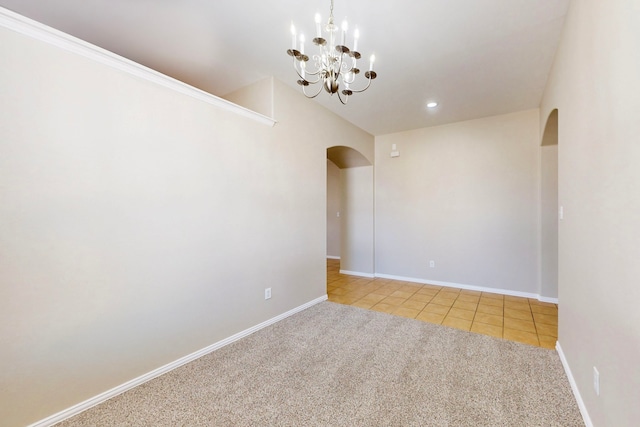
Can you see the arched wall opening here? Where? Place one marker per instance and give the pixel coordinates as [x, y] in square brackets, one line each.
[549, 209]
[350, 210]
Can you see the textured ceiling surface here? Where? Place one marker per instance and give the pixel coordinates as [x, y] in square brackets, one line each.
[477, 58]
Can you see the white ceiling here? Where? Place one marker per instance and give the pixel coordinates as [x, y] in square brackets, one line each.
[477, 58]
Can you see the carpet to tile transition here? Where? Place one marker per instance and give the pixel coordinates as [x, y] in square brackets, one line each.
[337, 365]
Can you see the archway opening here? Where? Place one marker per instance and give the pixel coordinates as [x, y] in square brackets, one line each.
[350, 211]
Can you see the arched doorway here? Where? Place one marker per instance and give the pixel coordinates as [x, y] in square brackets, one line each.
[350, 213]
[549, 209]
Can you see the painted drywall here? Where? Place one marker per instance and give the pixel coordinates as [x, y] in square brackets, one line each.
[464, 195]
[357, 221]
[594, 84]
[138, 225]
[258, 97]
[549, 221]
[333, 210]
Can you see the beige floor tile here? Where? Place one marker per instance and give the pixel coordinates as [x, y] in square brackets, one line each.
[385, 291]
[517, 314]
[420, 297]
[483, 328]
[517, 306]
[461, 314]
[491, 301]
[471, 306]
[429, 292]
[492, 296]
[547, 319]
[521, 336]
[416, 305]
[457, 323]
[490, 309]
[468, 298]
[430, 317]
[470, 292]
[436, 308]
[541, 309]
[387, 308]
[340, 291]
[547, 342]
[406, 312]
[448, 294]
[363, 304]
[489, 319]
[434, 287]
[443, 301]
[519, 325]
[394, 301]
[374, 297]
[548, 330]
[401, 294]
[516, 299]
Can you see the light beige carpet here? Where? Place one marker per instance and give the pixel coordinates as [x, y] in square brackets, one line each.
[337, 365]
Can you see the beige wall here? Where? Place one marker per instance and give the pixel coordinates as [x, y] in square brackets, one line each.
[549, 221]
[595, 85]
[138, 225]
[334, 191]
[464, 195]
[357, 218]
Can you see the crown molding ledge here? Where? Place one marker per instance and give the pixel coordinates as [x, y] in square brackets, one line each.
[36, 30]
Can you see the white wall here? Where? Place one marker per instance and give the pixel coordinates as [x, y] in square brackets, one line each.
[357, 239]
[334, 190]
[594, 84]
[549, 221]
[138, 225]
[464, 195]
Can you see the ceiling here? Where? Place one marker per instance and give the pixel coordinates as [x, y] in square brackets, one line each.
[477, 58]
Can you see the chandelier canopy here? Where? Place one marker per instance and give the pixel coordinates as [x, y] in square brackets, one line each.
[334, 64]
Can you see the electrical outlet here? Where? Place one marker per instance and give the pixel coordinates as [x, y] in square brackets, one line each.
[267, 293]
[596, 381]
[432, 264]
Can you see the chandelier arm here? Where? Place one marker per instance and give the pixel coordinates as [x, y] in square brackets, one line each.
[346, 99]
[365, 88]
[311, 96]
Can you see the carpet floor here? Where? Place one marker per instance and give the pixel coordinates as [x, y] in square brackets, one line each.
[338, 365]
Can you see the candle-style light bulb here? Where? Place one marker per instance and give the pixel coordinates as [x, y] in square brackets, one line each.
[293, 36]
[302, 43]
[345, 27]
[318, 29]
[356, 36]
[371, 61]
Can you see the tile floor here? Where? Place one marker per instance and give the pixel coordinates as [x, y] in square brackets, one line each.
[519, 319]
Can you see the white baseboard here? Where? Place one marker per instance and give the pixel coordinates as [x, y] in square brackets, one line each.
[547, 299]
[468, 287]
[357, 273]
[96, 400]
[332, 257]
[574, 387]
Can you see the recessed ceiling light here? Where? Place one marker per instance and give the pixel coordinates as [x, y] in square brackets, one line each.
[432, 105]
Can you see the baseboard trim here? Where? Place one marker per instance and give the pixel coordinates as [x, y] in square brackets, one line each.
[102, 397]
[574, 386]
[468, 287]
[332, 257]
[43, 33]
[357, 273]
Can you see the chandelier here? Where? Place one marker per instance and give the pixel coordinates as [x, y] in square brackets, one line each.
[334, 66]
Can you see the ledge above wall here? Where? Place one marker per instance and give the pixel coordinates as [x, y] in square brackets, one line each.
[39, 31]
